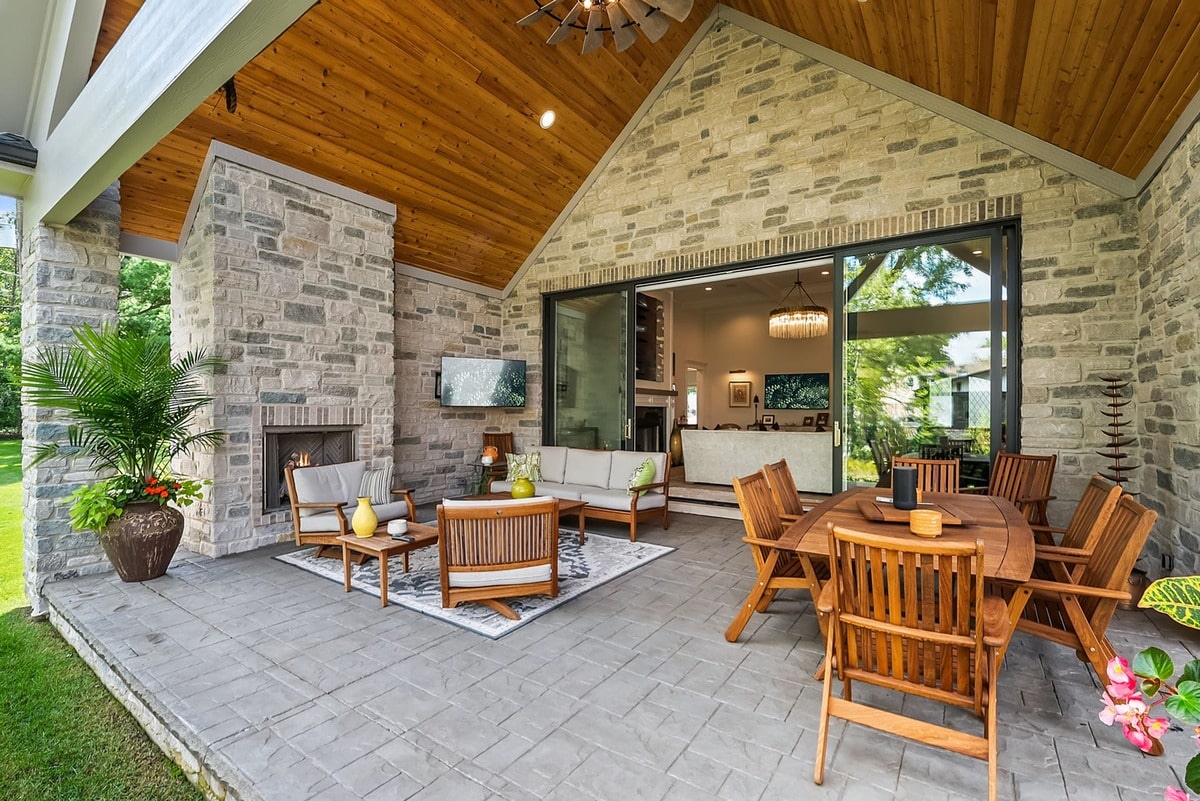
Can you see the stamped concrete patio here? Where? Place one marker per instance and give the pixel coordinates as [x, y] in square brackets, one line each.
[275, 684]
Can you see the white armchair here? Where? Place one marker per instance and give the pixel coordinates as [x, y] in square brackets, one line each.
[324, 498]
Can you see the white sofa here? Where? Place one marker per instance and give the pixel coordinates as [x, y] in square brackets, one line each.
[601, 480]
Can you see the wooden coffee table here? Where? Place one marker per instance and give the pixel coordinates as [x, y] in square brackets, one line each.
[382, 546]
[564, 508]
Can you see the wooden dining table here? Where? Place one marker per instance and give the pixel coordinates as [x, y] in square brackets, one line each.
[1008, 545]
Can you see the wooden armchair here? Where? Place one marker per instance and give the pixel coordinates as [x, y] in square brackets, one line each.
[503, 443]
[776, 569]
[933, 475]
[1075, 608]
[1025, 480]
[323, 500]
[1079, 537]
[490, 550]
[783, 490]
[911, 616]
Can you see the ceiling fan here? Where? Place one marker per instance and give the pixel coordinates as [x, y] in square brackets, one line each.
[624, 18]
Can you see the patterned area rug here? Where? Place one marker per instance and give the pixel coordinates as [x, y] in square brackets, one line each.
[580, 568]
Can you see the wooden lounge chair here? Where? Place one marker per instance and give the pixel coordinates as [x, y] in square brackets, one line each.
[490, 550]
[933, 475]
[777, 569]
[1079, 537]
[323, 500]
[1076, 607]
[911, 616]
[783, 490]
[1025, 480]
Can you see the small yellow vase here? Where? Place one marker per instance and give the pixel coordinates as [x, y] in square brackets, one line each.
[365, 520]
[522, 488]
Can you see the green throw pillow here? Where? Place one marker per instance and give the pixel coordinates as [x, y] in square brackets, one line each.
[642, 475]
[524, 465]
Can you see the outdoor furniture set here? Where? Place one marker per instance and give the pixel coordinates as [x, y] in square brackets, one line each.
[933, 617]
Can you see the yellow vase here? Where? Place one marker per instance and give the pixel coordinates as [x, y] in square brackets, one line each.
[365, 520]
[522, 488]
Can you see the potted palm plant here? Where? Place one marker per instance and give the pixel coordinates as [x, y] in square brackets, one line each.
[130, 408]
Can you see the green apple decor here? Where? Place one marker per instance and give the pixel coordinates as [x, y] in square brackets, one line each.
[129, 408]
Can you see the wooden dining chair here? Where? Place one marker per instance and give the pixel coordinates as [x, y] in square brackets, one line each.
[783, 490]
[503, 443]
[1024, 479]
[1076, 607]
[775, 568]
[933, 475]
[881, 454]
[1091, 515]
[489, 550]
[911, 616]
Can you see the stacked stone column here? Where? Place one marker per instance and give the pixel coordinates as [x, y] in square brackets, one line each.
[69, 278]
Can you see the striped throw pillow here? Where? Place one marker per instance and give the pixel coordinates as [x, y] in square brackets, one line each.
[377, 483]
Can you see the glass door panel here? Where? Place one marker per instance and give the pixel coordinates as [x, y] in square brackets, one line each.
[924, 356]
[589, 401]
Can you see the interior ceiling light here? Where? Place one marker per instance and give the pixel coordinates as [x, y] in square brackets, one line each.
[798, 322]
[547, 118]
[624, 18]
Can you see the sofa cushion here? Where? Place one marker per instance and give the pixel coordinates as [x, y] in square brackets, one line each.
[590, 468]
[392, 510]
[524, 465]
[328, 521]
[625, 462]
[620, 499]
[452, 503]
[497, 578]
[328, 484]
[554, 463]
[564, 492]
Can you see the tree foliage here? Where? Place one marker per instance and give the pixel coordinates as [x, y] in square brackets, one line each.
[144, 302]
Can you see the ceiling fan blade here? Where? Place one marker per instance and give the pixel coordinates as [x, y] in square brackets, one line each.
[678, 9]
[594, 38]
[564, 28]
[624, 32]
[543, 11]
[652, 23]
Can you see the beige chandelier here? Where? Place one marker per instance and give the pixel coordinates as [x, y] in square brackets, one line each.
[798, 321]
[622, 18]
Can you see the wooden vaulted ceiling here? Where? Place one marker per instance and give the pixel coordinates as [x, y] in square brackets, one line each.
[433, 105]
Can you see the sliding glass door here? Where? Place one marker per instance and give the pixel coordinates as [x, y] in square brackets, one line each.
[924, 354]
[587, 359]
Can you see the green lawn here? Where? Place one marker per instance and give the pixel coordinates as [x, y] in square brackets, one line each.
[62, 736]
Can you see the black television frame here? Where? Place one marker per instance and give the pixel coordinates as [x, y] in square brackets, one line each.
[821, 378]
[440, 389]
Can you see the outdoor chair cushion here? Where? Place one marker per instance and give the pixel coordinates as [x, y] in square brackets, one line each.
[554, 463]
[624, 463]
[498, 578]
[328, 521]
[329, 484]
[621, 499]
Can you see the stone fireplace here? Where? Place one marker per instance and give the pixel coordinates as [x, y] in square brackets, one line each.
[290, 280]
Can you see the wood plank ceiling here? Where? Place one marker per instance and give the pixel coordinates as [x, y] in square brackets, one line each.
[433, 106]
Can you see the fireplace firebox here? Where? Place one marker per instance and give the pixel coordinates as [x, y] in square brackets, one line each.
[299, 445]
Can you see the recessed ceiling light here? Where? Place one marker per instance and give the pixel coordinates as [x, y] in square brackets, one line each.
[708, 289]
[547, 118]
[824, 272]
[977, 252]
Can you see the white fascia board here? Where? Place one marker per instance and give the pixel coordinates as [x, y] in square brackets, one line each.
[614, 148]
[148, 248]
[1051, 154]
[447, 280]
[64, 60]
[171, 57]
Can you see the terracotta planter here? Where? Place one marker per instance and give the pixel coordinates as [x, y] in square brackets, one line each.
[142, 541]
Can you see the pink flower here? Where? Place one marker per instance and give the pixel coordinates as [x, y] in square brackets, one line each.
[1123, 682]
[1156, 727]
[1196, 736]
[1138, 737]
[1175, 794]
[1124, 711]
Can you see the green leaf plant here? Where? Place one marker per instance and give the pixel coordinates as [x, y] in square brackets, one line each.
[1134, 693]
[130, 409]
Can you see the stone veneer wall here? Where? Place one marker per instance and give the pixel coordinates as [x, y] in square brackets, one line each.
[437, 447]
[69, 278]
[755, 150]
[1168, 359]
[293, 286]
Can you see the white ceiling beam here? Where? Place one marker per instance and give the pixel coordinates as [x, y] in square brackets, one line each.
[64, 61]
[126, 108]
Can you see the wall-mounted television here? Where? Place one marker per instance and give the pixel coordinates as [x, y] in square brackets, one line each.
[796, 391]
[482, 382]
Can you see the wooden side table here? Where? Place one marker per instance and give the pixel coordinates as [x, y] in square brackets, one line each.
[381, 545]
